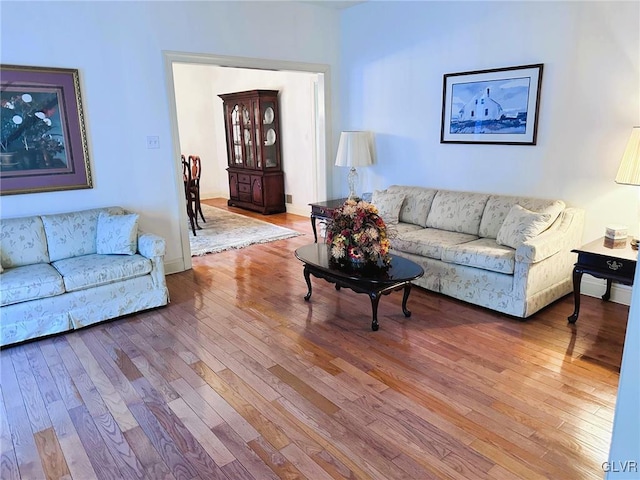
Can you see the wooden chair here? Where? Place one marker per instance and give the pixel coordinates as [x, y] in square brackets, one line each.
[196, 170]
[189, 193]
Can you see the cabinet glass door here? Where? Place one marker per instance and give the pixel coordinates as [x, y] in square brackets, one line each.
[248, 137]
[269, 137]
[256, 115]
[237, 137]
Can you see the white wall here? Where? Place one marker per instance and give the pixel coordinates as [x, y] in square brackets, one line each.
[117, 47]
[394, 56]
[201, 124]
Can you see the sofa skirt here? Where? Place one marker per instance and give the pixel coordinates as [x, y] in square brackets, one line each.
[47, 316]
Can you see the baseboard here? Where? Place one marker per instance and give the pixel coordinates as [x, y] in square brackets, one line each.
[595, 287]
[173, 266]
[210, 195]
[296, 210]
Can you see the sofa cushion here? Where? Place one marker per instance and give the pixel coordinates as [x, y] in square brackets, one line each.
[23, 242]
[483, 253]
[457, 211]
[21, 284]
[388, 205]
[117, 234]
[417, 203]
[73, 234]
[498, 207]
[521, 225]
[89, 271]
[402, 228]
[428, 242]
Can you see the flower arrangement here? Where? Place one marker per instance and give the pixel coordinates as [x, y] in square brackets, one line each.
[358, 235]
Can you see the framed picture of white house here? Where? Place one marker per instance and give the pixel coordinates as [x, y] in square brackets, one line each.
[497, 106]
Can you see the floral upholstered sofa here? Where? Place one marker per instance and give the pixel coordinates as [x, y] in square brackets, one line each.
[507, 253]
[65, 271]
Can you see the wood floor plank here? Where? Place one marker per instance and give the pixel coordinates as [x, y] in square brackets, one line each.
[304, 463]
[275, 460]
[82, 381]
[154, 466]
[103, 463]
[42, 374]
[243, 453]
[210, 443]
[163, 443]
[249, 410]
[31, 395]
[310, 394]
[9, 466]
[118, 446]
[53, 461]
[21, 435]
[240, 378]
[110, 396]
[74, 450]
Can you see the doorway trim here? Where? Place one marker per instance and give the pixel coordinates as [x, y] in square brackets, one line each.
[322, 113]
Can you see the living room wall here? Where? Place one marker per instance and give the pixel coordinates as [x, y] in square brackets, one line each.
[117, 47]
[394, 56]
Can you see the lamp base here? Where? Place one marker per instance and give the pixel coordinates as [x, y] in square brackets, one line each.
[352, 179]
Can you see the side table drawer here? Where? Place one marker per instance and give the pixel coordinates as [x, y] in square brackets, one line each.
[321, 211]
[615, 266]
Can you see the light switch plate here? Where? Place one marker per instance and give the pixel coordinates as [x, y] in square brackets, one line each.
[153, 141]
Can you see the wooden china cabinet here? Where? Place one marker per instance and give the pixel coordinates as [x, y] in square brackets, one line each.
[256, 180]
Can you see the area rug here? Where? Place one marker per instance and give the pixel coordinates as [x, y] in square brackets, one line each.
[225, 230]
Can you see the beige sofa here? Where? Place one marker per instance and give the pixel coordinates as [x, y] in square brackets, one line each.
[65, 271]
[510, 254]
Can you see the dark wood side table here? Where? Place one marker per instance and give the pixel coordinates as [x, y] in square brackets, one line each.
[323, 211]
[612, 264]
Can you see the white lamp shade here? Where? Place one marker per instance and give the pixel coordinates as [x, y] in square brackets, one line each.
[629, 170]
[354, 150]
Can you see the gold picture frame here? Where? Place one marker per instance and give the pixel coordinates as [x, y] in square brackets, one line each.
[43, 146]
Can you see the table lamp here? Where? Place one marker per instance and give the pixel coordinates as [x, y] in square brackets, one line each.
[629, 170]
[354, 150]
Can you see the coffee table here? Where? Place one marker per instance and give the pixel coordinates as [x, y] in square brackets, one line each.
[374, 283]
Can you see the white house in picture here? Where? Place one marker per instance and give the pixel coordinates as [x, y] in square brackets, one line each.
[481, 107]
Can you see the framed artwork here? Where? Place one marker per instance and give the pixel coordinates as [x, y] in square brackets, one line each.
[498, 106]
[43, 143]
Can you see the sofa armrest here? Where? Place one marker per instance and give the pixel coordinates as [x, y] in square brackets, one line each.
[564, 235]
[151, 245]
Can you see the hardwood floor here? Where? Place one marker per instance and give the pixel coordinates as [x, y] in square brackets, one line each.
[240, 378]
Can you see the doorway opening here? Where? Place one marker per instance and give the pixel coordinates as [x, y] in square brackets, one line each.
[194, 82]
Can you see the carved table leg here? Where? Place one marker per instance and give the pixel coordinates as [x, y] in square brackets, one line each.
[375, 298]
[607, 293]
[405, 297]
[308, 280]
[577, 277]
[313, 227]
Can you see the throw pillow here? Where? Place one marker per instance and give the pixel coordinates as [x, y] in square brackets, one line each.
[388, 205]
[117, 234]
[521, 225]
